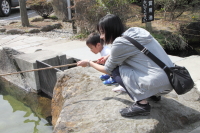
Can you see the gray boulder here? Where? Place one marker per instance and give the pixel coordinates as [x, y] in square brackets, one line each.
[47, 28]
[57, 26]
[2, 29]
[82, 104]
[191, 32]
[33, 30]
[15, 31]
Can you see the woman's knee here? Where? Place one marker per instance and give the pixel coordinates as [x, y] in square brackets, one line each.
[115, 72]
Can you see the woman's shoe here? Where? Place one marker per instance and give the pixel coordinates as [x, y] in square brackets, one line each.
[135, 110]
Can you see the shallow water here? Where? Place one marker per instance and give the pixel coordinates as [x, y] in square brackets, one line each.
[19, 114]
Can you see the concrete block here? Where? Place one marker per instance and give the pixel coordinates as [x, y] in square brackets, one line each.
[197, 130]
[7, 65]
[24, 64]
[28, 62]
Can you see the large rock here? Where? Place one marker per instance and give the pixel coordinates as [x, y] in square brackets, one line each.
[2, 29]
[47, 28]
[15, 31]
[191, 32]
[33, 30]
[82, 104]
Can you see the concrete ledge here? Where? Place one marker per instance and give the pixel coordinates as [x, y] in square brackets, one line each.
[197, 130]
[28, 62]
[175, 58]
[7, 65]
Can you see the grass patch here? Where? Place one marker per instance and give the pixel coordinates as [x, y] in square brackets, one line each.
[160, 38]
[53, 17]
[81, 36]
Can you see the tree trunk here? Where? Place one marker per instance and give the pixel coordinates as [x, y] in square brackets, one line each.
[60, 9]
[23, 13]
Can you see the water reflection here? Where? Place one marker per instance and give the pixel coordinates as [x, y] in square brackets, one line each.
[23, 112]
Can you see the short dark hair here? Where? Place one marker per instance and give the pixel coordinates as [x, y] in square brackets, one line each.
[93, 39]
[112, 27]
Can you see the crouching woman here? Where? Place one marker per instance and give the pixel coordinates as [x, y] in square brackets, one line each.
[133, 70]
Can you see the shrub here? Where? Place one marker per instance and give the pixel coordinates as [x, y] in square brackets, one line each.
[120, 8]
[42, 7]
[173, 9]
[89, 12]
[170, 41]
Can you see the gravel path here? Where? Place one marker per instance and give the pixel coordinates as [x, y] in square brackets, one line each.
[65, 32]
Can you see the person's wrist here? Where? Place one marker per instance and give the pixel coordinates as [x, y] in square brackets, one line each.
[88, 63]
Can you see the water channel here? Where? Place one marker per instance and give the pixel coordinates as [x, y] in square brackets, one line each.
[23, 112]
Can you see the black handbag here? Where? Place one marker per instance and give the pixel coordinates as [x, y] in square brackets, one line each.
[178, 76]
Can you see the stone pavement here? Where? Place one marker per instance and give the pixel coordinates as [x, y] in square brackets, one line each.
[79, 50]
[72, 48]
[31, 44]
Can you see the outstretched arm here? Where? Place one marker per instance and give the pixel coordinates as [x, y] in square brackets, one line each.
[85, 63]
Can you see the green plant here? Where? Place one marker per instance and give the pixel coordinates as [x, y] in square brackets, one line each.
[170, 41]
[162, 9]
[173, 9]
[195, 17]
[120, 8]
[42, 7]
[81, 36]
[87, 15]
[53, 17]
[89, 12]
[160, 38]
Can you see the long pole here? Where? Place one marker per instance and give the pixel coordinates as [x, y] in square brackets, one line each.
[45, 68]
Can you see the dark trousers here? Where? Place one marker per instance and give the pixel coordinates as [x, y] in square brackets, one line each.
[117, 77]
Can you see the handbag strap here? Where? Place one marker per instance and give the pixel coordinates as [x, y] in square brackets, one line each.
[148, 53]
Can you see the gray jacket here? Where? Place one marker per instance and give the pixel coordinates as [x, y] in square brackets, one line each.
[141, 76]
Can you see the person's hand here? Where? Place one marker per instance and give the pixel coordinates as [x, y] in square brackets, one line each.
[103, 59]
[83, 63]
